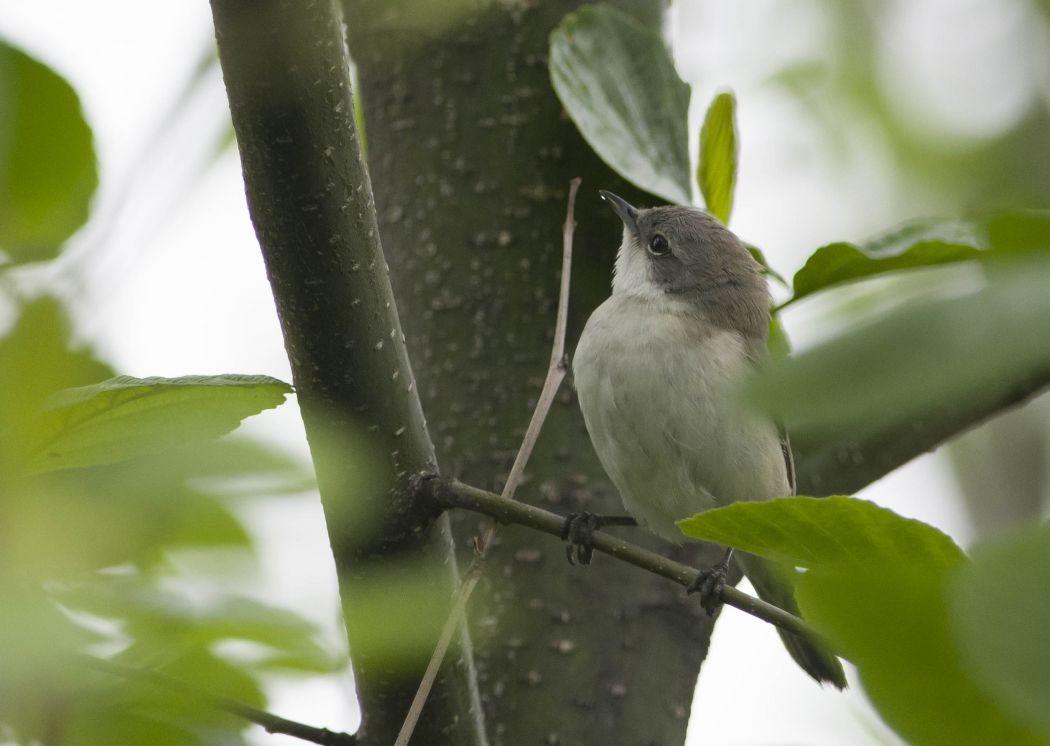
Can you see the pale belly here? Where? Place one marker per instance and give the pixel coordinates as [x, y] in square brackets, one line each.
[658, 403]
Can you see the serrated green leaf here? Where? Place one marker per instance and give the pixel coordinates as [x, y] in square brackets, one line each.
[828, 532]
[716, 173]
[923, 243]
[48, 172]
[919, 359]
[126, 417]
[618, 83]
[1000, 615]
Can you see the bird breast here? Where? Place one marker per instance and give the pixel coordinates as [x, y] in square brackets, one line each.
[655, 384]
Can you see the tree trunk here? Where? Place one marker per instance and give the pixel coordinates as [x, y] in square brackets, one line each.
[470, 156]
[287, 77]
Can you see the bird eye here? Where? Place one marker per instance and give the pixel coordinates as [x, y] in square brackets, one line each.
[658, 246]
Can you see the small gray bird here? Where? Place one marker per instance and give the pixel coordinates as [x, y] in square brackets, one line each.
[687, 319]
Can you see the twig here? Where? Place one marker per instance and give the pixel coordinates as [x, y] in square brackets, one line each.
[272, 723]
[452, 494]
[555, 375]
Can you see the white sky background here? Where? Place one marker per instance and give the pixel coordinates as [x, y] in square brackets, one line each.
[175, 283]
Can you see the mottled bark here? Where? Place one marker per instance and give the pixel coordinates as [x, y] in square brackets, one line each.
[287, 77]
[470, 156]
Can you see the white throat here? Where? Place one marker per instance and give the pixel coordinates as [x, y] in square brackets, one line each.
[632, 274]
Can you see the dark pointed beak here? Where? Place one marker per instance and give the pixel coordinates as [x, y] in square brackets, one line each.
[627, 213]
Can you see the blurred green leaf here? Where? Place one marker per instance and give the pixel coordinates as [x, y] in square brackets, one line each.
[166, 625]
[618, 83]
[1000, 617]
[895, 627]
[916, 360]
[66, 524]
[37, 358]
[47, 160]
[716, 174]
[874, 583]
[778, 343]
[36, 640]
[197, 675]
[827, 532]
[924, 243]
[239, 466]
[92, 722]
[395, 617]
[126, 417]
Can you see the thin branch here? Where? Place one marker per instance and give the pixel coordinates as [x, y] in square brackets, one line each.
[272, 723]
[555, 375]
[453, 494]
[843, 466]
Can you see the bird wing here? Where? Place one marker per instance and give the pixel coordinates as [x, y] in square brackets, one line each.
[789, 459]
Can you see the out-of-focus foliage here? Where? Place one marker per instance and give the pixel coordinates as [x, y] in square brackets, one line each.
[924, 243]
[953, 95]
[716, 174]
[104, 479]
[878, 586]
[999, 615]
[616, 80]
[918, 359]
[47, 159]
[84, 552]
[124, 417]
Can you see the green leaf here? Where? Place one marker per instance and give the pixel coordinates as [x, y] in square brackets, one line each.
[778, 343]
[37, 358]
[923, 243]
[895, 627]
[1000, 616]
[716, 174]
[827, 532]
[126, 417]
[618, 83]
[916, 360]
[48, 171]
[874, 584]
[165, 624]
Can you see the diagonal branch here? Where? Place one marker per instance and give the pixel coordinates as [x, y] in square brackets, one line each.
[844, 467]
[453, 494]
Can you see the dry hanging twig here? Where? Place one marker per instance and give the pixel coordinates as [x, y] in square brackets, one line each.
[555, 375]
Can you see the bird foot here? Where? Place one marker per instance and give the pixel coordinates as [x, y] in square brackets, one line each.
[578, 534]
[709, 584]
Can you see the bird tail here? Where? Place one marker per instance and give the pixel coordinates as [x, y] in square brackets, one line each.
[773, 585]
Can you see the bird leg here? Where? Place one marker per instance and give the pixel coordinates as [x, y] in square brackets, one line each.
[578, 533]
[709, 583]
